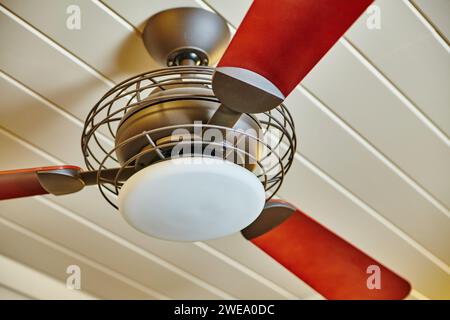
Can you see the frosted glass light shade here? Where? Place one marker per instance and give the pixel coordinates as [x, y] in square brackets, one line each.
[191, 199]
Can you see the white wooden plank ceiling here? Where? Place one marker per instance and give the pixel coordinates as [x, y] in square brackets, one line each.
[373, 121]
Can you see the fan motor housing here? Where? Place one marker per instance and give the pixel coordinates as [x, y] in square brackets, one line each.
[170, 110]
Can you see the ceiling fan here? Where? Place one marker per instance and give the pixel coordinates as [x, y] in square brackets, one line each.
[189, 152]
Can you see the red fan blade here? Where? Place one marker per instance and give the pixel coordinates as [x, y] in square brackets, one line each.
[26, 182]
[329, 264]
[283, 40]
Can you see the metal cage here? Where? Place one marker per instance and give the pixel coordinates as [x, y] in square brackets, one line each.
[276, 140]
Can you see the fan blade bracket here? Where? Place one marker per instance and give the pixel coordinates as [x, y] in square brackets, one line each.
[283, 40]
[38, 181]
[245, 91]
[274, 213]
[61, 181]
[72, 179]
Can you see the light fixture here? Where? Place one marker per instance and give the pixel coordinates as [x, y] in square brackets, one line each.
[191, 199]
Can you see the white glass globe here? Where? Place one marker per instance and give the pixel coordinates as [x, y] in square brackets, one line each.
[191, 199]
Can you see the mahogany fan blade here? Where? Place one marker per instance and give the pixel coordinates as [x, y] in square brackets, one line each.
[24, 182]
[329, 264]
[283, 40]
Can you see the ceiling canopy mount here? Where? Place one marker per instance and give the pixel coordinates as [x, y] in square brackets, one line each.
[186, 36]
